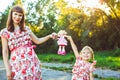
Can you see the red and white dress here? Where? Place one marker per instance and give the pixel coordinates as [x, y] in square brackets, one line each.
[24, 62]
[81, 70]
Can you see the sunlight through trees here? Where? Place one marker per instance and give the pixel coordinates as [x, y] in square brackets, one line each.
[90, 22]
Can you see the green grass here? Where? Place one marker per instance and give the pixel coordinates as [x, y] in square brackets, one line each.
[109, 78]
[49, 57]
[102, 78]
[105, 59]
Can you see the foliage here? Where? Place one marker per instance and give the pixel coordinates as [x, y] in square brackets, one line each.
[116, 52]
[97, 27]
[3, 18]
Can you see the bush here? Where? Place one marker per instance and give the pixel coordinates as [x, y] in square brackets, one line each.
[117, 52]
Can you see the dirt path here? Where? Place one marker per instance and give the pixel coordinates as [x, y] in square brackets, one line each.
[105, 73]
[49, 74]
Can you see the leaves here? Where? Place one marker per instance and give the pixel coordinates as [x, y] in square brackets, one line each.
[98, 27]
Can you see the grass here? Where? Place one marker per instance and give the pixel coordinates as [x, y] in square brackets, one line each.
[49, 57]
[105, 59]
[101, 78]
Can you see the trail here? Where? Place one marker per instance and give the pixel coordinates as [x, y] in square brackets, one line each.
[50, 74]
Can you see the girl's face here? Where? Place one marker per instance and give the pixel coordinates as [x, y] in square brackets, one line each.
[17, 17]
[86, 54]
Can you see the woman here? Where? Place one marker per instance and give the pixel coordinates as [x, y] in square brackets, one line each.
[17, 38]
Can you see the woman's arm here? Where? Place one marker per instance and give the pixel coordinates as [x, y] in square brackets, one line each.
[5, 54]
[40, 40]
[75, 50]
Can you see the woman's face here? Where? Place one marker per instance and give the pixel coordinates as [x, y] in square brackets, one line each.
[86, 54]
[17, 17]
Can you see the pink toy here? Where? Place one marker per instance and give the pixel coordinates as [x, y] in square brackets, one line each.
[62, 42]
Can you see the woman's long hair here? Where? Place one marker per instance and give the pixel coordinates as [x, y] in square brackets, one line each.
[10, 25]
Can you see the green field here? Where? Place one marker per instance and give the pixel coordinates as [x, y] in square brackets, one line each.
[105, 59]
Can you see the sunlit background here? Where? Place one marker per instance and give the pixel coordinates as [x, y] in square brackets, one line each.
[86, 20]
[74, 3]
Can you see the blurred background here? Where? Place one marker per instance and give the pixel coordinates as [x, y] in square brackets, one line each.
[90, 22]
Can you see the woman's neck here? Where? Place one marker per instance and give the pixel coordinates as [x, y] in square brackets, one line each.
[16, 27]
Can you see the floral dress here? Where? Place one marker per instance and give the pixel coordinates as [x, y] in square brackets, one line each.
[81, 70]
[24, 62]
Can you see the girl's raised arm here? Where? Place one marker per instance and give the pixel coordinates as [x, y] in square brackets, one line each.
[74, 47]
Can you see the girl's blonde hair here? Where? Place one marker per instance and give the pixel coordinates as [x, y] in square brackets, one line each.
[91, 51]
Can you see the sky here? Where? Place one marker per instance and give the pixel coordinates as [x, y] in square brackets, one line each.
[4, 4]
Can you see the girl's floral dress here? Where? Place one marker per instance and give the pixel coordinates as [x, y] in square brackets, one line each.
[81, 70]
[24, 62]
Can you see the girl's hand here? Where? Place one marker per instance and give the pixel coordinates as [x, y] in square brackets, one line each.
[9, 75]
[69, 37]
[94, 62]
[92, 67]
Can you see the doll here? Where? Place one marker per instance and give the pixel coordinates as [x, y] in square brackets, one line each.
[62, 42]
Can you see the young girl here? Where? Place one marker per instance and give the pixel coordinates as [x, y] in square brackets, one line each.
[17, 38]
[83, 69]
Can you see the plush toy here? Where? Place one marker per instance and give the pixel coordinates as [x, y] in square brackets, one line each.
[62, 42]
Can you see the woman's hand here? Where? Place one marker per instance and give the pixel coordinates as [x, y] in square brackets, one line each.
[53, 35]
[9, 74]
